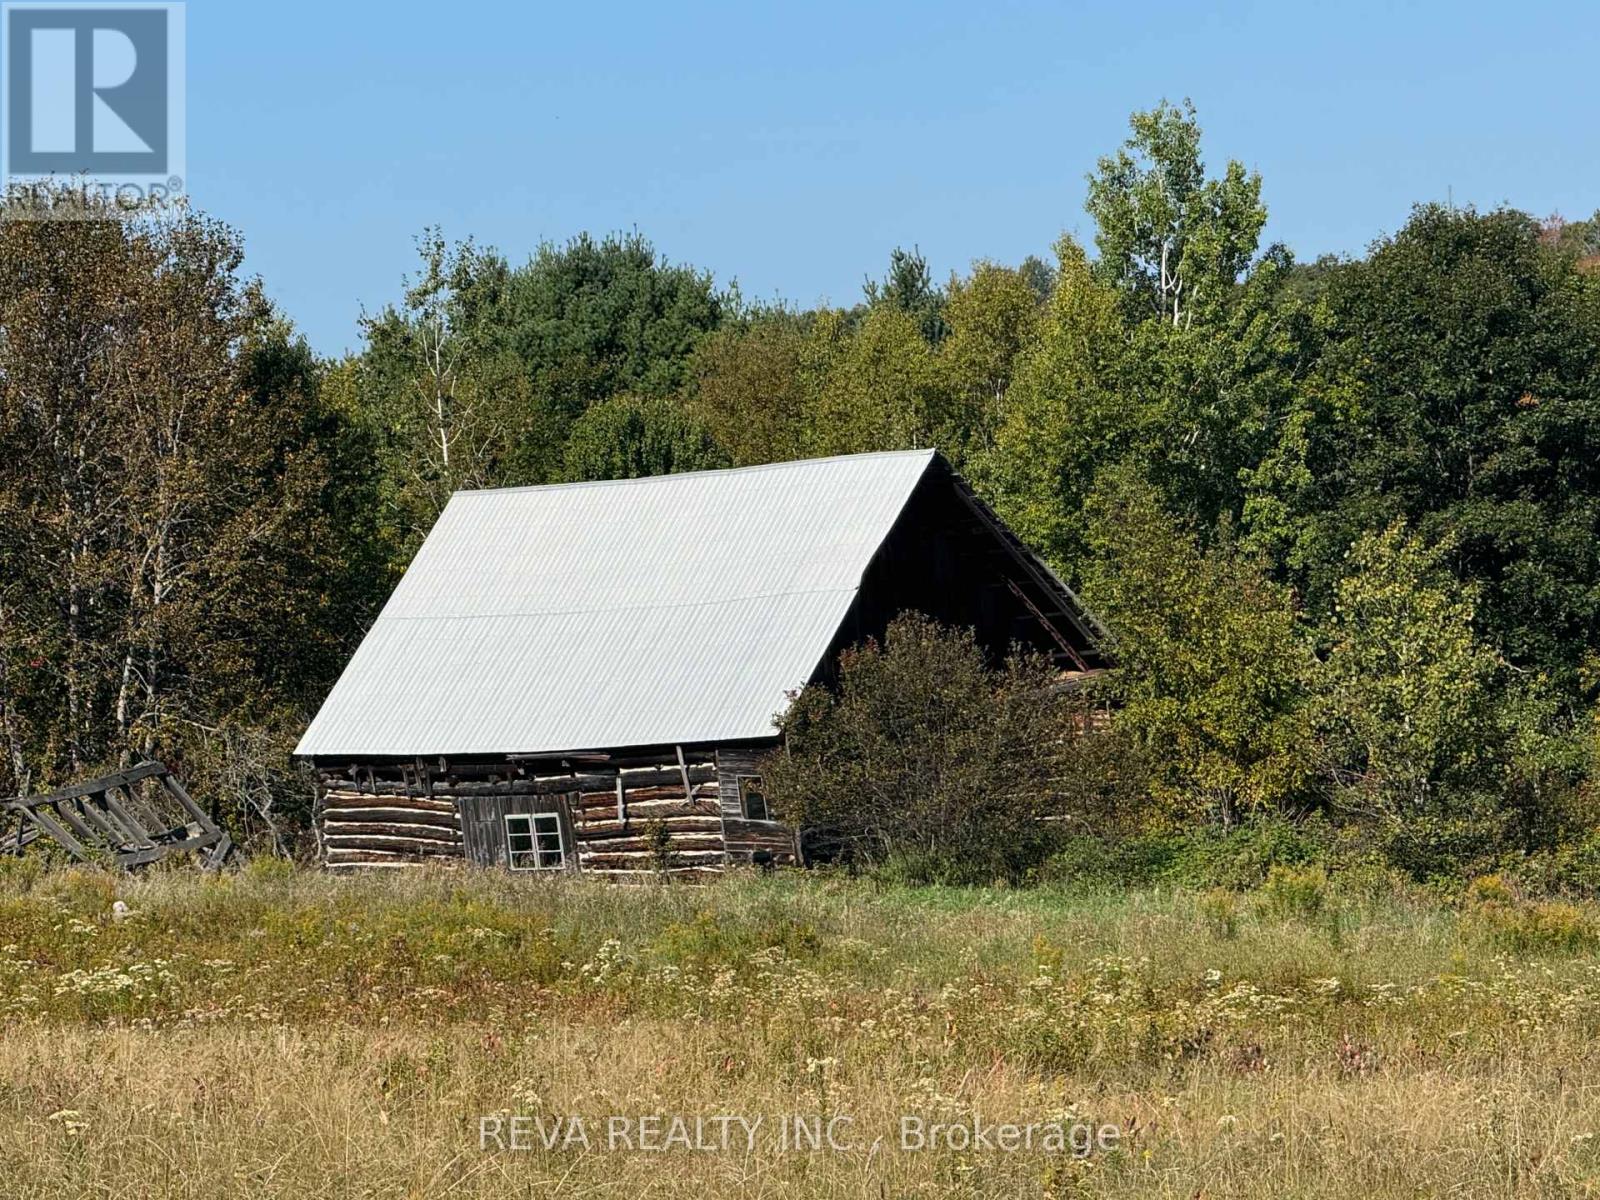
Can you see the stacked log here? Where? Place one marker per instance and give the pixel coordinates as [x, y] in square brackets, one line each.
[625, 819]
[388, 828]
[645, 822]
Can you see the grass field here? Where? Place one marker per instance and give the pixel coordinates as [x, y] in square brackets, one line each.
[273, 1033]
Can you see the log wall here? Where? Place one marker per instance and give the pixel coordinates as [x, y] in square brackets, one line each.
[624, 819]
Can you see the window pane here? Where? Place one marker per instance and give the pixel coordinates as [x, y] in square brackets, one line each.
[547, 839]
[521, 854]
[752, 798]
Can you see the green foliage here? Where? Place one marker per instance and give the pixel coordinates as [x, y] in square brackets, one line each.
[627, 437]
[172, 559]
[1412, 704]
[993, 317]
[1196, 856]
[1171, 240]
[1221, 908]
[753, 385]
[1212, 667]
[909, 288]
[1293, 893]
[926, 758]
[1066, 414]
[476, 379]
[1452, 380]
[658, 842]
[882, 389]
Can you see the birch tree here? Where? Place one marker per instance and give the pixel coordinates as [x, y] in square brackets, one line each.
[1171, 239]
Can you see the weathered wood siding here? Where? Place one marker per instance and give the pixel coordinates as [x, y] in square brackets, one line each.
[631, 818]
[483, 823]
[746, 839]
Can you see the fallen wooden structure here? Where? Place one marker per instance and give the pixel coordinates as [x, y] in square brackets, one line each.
[132, 818]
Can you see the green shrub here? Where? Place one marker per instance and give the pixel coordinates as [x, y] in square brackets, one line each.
[1536, 927]
[1446, 849]
[1293, 893]
[1243, 857]
[1098, 864]
[1220, 908]
[928, 754]
[1240, 859]
[1572, 868]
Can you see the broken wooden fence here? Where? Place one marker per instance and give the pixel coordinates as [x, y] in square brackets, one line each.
[134, 817]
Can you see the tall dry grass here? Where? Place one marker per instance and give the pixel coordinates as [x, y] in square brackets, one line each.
[273, 1033]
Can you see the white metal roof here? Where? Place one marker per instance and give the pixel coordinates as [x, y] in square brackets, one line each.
[674, 609]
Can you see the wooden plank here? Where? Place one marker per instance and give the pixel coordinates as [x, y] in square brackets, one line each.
[116, 838]
[396, 845]
[144, 770]
[635, 857]
[359, 800]
[601, 830]
[342, 857]
[633, 840]
[141, 834]
[79, 826]
[49, 824]
[177, 792]
[138, 858]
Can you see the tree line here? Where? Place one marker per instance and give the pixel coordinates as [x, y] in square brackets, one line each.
[1341, 516]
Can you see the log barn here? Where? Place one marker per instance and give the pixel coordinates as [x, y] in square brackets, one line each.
[586, 676]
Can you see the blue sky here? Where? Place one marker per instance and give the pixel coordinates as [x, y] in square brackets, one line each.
[792, 146]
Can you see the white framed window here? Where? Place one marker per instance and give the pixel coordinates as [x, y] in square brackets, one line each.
[753, 798]
[534, 842]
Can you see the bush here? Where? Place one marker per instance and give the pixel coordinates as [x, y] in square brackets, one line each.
[1100, 863]
[1243, 857]
[1220, 908]
[1444, 848]
[1536, 927]
[1293, 893]
[1239, 859]
[926, 757]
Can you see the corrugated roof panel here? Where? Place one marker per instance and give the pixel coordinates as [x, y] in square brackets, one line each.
[674, 609]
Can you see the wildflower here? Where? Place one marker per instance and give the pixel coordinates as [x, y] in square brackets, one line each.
[71, 1121]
